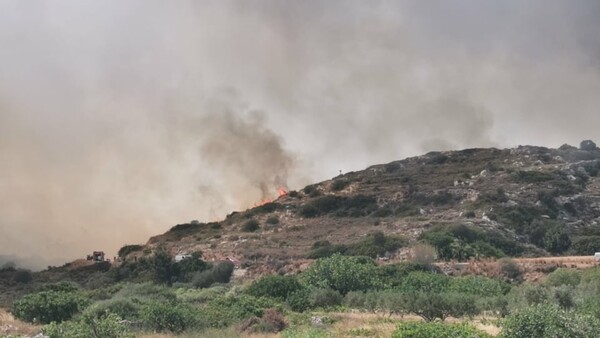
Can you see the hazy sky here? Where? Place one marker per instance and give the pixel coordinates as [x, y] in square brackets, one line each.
[119, 119]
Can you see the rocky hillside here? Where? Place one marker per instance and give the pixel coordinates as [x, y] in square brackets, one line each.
[525, 201]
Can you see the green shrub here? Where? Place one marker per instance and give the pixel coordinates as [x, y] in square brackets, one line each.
[324, 298]
[564, 276]
[549, 321]
[266, 208]
[461, 242]
[323, 249]
[298, 301]
[48, 306]
[220, 273]
[109, 325]
[354, 206]
[188, 266]
[164, 269]
[169, 317]
[585, 245]
[224, 311]
[273, 220]
[60, 287]
[431, 306]
[427, 282]
[343, 274]
[203, 279]
[275, 286]
[223, 271]
[311, 190]
[250, 226]
[339, 184]
[556, 239]
[564, 296]
[146, 292]
[534, 176]
[392, 275]
[437, 330]
[375, 244]
[128, 309]
[480, 286]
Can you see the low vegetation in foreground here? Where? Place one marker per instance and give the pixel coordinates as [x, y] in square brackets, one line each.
[329, 299]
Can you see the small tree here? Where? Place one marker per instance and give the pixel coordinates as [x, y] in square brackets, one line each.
[342, 273]
[275, 286]
[540, 321]
[163, 268]
[250, 226]
[48, 306]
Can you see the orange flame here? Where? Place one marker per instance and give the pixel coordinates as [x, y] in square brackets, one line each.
[281, 191]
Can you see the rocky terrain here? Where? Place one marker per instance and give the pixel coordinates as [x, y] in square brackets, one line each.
[526, 201]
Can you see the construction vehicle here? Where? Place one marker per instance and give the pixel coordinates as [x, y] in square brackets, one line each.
[96, 256]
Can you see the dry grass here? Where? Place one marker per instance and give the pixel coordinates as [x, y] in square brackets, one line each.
[358, 324]
[11, 326]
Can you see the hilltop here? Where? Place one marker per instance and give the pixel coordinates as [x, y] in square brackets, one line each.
[522, 202]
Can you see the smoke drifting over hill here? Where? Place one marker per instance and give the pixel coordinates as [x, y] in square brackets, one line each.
[118, 119]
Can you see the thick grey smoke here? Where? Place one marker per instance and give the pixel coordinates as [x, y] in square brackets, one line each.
[121, 118]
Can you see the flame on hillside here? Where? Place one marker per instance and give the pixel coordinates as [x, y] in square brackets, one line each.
[281, 191]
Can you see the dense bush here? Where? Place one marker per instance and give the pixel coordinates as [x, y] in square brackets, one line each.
[354, 206]
[534, 176]
[220, 273]
[339, 184]
[427, 282]
[324, 298]
[275, 286]
[224, 311]
[189, 266]
[462, 242]
[164, 270]
[109, 325]
[169, 317]
[585, 245]
[273, 220]
[392, 275]
[549, 321]
[437, 330]
[480, 286]
[431, 306]
[342, 274]
[48, 306]
[250, 226]
[374, 245]
[563, 276]
[298, 301]
[128, 309]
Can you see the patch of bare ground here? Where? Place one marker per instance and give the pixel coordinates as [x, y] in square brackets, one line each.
[10, 326]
